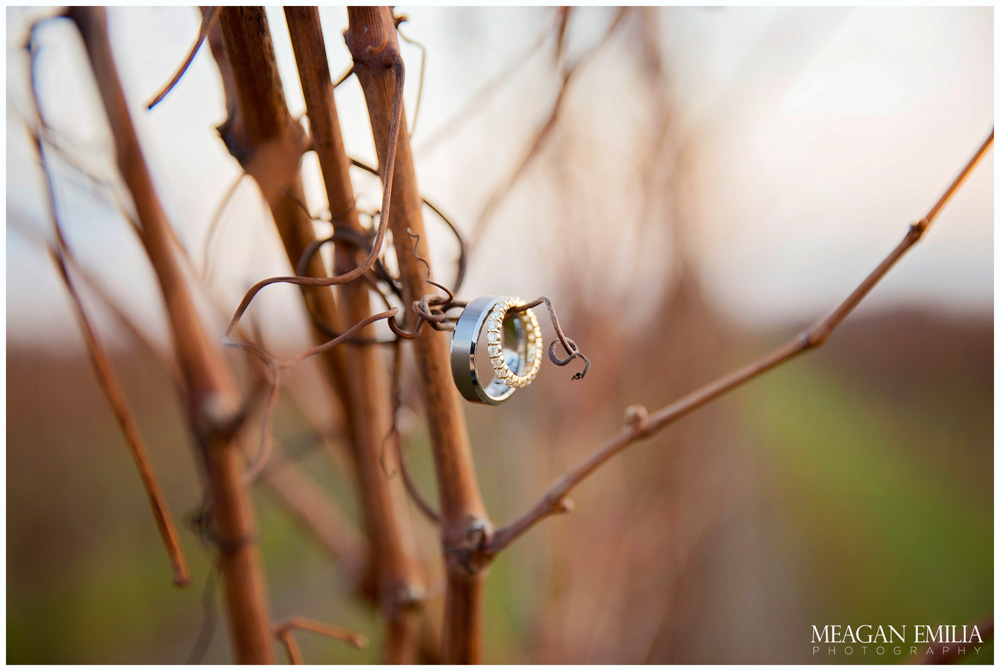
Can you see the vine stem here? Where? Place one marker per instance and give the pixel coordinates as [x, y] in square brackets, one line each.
[103, 366]
[259, 128]
[208, 17]
[371, 38]
[398, 571]
[285, 635]
[211, 396]
[640, 424]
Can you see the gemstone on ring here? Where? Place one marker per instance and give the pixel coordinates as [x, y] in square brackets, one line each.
[535, 344]
[513, 342]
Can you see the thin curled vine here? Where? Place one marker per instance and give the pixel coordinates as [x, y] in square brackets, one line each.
[431, 309]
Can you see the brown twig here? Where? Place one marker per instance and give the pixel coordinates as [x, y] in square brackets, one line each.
[284, 634]
[463, 253]
[371, 38]
[239, 23]
[214, 224]
[344, 77]
[208, 18]
[115, 394]
[246, 34]
[572, 349]
[211, 398]
[275, 367]
[104, 368]
[283, 364]
[258, 127]
[93, 286]
[287, 640]
[470, 107]
[108, 379]
[292, 486]
[402, 18]
[393, 435]
[561, 25]
[544, 131]
[315, 512]
[58, 142]
[397, 568]
[268, 143]
[353, 638]
[640, 424]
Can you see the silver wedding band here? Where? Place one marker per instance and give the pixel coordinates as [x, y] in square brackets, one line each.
[514, 344]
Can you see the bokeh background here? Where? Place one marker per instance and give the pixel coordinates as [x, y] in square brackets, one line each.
[714, 180]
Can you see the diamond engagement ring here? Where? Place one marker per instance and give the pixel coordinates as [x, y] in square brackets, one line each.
[513, 342]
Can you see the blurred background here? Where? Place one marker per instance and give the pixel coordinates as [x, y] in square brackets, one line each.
[706, 182]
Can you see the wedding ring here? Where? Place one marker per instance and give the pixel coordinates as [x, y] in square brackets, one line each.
[513, 342]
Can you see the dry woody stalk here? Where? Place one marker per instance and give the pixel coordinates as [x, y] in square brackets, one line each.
[371, 38]
[211, 396]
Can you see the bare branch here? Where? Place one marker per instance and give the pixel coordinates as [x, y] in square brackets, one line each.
[352, 638]
[211, 396]
[366, 265]
[214, 225]
[371, 38]
[640, 424]
[572, 349]
[315, 512]
[402, 18]
[463, 253]
[398, 570]
[268, 143]
[544, 131]
[292, 487]
[393, 435]
[208, 17]
[287, 639]
[470, 107]
[115, 394]
[284, 634]
[103, 366]
[263, 117]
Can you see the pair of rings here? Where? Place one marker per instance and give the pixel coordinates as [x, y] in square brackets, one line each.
[513, 342]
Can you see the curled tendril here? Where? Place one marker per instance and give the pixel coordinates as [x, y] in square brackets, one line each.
[359, 239]
[568, 344]
[363, 242]
[459, 238]
[574, 353]
[433, 308]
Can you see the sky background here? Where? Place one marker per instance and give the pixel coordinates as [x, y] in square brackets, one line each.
[816, 136]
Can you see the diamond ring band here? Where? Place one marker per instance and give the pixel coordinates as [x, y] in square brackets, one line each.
[513, 343]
